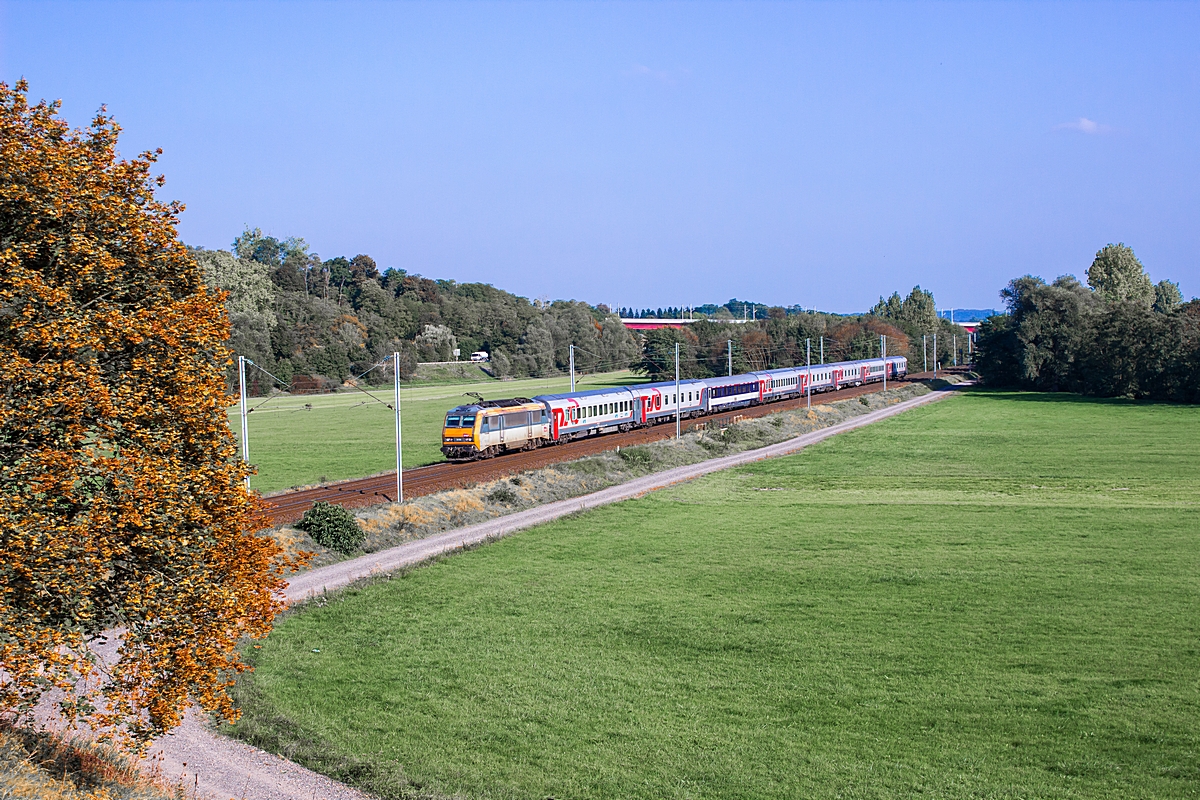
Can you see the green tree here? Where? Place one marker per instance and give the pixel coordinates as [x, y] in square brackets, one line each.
[248, 284]
[535, 353]
[1116, 274]
[1166, 296]
[658, 355]
[891, 308]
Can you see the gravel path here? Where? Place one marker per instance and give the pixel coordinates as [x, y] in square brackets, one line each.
[215, 767]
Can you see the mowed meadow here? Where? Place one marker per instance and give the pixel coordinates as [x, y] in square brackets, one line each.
[298, 440]
[992, 596]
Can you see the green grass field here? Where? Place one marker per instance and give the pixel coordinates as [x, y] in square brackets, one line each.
[305, 439]
[995, 596]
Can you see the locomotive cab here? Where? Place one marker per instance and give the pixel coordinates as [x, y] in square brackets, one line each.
[460, 433]
[490, 427]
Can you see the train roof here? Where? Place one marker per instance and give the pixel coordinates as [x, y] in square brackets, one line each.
[486, 404]
[666, 384]
[585, 393]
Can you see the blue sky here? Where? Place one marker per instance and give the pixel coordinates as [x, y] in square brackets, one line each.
[652, 154]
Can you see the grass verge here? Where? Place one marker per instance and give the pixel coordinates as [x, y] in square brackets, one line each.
[992, 596]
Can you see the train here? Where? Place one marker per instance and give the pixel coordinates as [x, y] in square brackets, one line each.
[487, 428]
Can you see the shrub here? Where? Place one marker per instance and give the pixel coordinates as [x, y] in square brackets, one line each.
[333, 527]
[637, 456]
[504, 494]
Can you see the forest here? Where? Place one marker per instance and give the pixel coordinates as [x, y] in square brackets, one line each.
[321, 322]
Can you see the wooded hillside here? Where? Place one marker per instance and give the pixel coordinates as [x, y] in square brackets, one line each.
[294, 314]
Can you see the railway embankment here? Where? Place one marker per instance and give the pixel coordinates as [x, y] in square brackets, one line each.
[394, 524]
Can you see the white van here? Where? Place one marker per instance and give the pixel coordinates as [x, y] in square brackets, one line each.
[479, 355]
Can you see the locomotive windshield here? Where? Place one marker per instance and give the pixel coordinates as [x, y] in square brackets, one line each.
[452, 421]
[468, 421]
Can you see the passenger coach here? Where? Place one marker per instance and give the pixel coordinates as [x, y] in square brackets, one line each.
[491, 427]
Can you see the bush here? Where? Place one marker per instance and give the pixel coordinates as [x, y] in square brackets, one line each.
[504, 494]
[333, 527]
[637, 456]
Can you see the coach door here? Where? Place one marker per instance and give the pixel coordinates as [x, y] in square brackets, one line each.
[837, 379]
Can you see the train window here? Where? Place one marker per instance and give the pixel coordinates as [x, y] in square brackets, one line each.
[452, 421]
[468, 422]
[484, 426]
[516, 419]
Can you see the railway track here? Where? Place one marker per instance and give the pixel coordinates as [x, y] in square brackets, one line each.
[362, 492]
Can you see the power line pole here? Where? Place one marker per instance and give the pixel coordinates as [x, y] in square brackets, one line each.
[399, 459]
[729, 344]
[935, 356]
[822, 349]
[572, 368]
[245, 427]
[883, 353]
[954, 349]
[677, 390]
[808, 371]
[924, 354]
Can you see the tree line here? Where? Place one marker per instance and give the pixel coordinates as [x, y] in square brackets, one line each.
[296, 314]
[1121, 335]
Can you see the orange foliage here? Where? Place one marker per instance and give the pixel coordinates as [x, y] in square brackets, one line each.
[122, 506]
[865, 335]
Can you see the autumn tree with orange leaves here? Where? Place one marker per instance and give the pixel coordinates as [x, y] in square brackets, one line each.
[122, 508]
